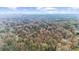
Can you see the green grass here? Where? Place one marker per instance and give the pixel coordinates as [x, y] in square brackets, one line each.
[76, 49]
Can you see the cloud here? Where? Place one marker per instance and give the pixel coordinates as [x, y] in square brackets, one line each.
[46, 8]
[43, 10]
[49, 10]
[12, 8]
[59, 10]
[75, 8]
[52, 12]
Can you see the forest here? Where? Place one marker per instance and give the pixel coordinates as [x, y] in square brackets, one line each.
[39, 35]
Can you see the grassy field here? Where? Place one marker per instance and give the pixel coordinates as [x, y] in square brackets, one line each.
[76, 49]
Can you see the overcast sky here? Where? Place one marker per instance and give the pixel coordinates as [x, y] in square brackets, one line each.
[39, 3]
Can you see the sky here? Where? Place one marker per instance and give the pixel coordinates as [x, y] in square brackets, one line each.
[39, 3]
[40, 10]
[40, 6]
